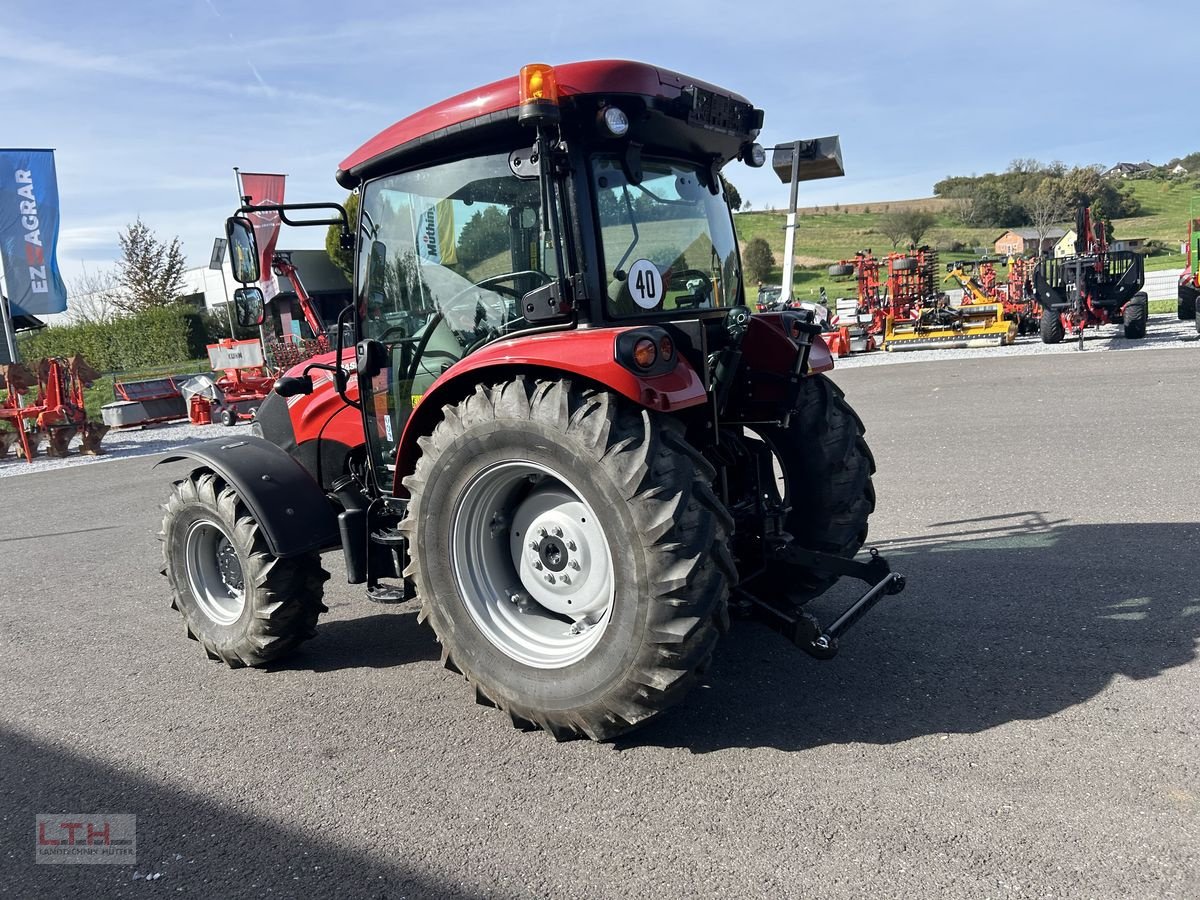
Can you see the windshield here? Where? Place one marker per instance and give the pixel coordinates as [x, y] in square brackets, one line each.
[668, 242]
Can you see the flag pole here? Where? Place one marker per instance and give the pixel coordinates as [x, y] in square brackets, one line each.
[10, 329]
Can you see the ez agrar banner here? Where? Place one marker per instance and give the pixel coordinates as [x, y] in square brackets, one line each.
[29, 232]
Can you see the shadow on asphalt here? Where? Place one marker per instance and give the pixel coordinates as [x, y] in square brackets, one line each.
[1004, 619]
[200, 848]
[368, 642]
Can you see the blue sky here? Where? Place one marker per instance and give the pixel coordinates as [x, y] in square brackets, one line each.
[150, 104]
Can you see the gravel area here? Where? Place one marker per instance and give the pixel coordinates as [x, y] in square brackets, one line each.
[123, 444]
[1163, 332]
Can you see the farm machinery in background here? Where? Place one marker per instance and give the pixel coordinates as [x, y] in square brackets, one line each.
[981, 290]
[919, 315]
[1189, 281]
[1096, 286]
[859, 319]
[43, 401]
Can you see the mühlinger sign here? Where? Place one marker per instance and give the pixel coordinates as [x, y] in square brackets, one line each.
[29, 232]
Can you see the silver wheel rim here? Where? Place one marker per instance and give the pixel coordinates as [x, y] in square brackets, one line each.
[532, 564]
[214, 573]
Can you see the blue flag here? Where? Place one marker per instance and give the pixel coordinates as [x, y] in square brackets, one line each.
[29, 232]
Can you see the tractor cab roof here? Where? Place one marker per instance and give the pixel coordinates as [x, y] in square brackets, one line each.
[666, 108]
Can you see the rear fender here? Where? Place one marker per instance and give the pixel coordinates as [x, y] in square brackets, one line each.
[294, 513]
[586, 354]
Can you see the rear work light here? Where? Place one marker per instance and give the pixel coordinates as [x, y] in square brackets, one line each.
[537, 90]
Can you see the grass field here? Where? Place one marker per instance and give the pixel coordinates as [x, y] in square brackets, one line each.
[827, 234]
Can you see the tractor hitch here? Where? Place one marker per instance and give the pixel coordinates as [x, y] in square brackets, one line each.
[802, 628]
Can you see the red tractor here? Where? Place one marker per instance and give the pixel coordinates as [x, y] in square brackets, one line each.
[560, 429]
[1096, 286]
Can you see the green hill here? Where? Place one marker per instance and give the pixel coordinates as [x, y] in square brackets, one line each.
[825, 235]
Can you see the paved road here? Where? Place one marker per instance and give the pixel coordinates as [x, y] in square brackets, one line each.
[1023, 721]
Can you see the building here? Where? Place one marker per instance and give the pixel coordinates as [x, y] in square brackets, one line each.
[1024, 242]
[1066, 246]
[1126, 169]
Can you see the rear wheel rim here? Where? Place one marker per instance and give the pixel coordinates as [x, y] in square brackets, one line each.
[214, 572]
[532, 564]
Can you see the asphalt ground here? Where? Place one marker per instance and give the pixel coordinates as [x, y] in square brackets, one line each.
[1021, 722]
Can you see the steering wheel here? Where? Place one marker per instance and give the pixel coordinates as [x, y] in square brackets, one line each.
[496, 309]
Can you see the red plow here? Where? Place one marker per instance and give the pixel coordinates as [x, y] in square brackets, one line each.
[43, 402]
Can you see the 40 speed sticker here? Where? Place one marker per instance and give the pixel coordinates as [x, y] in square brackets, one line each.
[645, 284]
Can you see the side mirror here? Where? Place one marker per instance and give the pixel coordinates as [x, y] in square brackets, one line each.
[293, 385]
[248, 305]
[243, 249]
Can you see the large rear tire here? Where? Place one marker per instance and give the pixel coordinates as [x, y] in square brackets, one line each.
[1051, 327]
[1137, 311]
[245, 606]
[826, 479]
[526, 482]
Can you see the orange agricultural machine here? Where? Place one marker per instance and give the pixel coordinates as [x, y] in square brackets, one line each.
[43, 401]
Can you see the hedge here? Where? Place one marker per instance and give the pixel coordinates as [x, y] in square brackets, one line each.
[156, 337]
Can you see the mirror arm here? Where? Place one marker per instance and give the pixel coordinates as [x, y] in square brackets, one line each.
[339, 378]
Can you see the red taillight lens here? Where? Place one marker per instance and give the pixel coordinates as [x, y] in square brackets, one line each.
[645, 353]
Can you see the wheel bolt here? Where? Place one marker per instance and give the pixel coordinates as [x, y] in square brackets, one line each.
[541, 532]
[538, 566]
[566, 579]
[550, 578]
[570, 545]
[574, 565]
[558, 532]
[533, 545]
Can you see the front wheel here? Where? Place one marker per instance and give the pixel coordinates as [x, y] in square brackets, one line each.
[569, 554]
[1134, 318]
[245, 606]
[1051, 327]
[823, 471]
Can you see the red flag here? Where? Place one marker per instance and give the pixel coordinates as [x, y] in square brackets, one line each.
[262, 189]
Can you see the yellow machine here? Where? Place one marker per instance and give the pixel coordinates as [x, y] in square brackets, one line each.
[954, 327]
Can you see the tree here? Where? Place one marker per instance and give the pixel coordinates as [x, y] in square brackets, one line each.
[1046, 204]
[916, 223]
[343, 259]
[1100, 216]
[149, 273]
[893, 226]
[91, 296]
[731, 194]
[758, 260]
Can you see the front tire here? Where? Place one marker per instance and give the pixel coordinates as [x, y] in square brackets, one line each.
[826, 480]
[245, 606]
[1137, 311]
[493, 523]
[1051, 327]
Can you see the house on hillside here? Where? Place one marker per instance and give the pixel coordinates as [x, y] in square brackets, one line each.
[1125, 169]
[1179, 169]
[1024, 242]
[1066, 246]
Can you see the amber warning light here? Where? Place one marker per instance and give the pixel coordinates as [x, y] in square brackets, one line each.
[538, 91]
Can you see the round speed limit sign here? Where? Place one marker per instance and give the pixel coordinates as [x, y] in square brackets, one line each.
[645, 284]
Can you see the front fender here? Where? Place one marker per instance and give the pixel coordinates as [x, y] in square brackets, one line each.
[294, 513]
